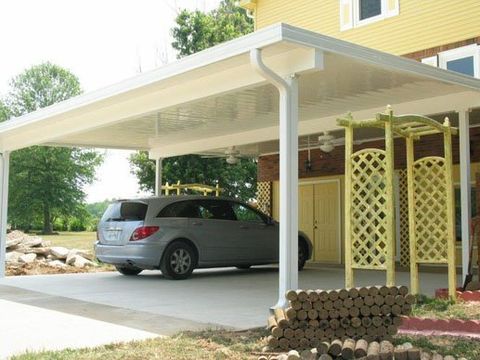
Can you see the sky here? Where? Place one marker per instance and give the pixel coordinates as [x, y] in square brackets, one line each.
[100, 41]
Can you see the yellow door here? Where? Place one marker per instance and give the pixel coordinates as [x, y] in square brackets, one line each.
[326, 222]
[305, 210]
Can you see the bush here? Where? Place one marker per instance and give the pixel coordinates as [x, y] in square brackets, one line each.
[77, 225]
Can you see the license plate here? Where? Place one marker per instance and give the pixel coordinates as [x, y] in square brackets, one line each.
[112, 235]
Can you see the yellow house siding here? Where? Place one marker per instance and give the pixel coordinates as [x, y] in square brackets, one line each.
[421, 24]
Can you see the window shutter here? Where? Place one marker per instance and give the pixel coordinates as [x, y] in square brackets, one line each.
[393, 8]
[432, 60]
[346, 14]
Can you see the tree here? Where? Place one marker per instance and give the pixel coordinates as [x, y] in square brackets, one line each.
[46, 182]
[195, 31]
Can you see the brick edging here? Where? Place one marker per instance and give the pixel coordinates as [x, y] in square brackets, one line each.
[451, 327]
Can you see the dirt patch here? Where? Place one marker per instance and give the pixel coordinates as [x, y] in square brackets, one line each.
[44, 269]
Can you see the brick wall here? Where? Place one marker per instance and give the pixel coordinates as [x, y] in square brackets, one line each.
[324, 164]
[419, 55]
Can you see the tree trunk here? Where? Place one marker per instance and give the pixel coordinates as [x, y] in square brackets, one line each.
[47, 220]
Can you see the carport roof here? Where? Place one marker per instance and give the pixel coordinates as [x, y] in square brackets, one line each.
[215, 99]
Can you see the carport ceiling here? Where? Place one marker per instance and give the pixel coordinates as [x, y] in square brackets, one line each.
[215, 99]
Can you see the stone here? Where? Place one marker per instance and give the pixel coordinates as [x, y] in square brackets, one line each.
[80, 262]
[13, 256]
[60, 253]
[57, 264]
[31, 241]
[38, 250]
[27, 258]
[71, 255]
[13, 243]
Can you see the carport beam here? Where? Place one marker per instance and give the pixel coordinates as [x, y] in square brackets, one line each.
[288, 118]
[4, 173]
[158, 177]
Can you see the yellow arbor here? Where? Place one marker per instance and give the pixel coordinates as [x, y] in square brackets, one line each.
[205, 189]
[369, 199]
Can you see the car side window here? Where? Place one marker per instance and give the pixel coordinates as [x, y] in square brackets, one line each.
[244, 213]
[216, 209]
[181, 209]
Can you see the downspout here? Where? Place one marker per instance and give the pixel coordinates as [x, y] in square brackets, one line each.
[288, 118]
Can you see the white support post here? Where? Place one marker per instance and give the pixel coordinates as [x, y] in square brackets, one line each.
[288, 117]
[4, 173]
[158, 177]
[465, 187]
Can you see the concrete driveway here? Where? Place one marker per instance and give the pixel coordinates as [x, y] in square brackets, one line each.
[152, 305]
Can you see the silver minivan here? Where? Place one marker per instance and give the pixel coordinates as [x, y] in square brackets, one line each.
[177, 234]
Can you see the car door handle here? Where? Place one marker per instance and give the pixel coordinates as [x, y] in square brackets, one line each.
[197, 223]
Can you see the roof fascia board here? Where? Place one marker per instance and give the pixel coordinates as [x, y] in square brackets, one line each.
[385, 60]
[436, 105]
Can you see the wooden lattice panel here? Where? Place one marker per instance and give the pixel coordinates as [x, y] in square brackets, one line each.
[431, 218]
[264, 197]
[403, 220]
[368, 209]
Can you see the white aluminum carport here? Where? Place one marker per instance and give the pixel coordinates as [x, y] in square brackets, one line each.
[228, 95]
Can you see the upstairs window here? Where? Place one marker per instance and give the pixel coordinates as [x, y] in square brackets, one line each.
[369, 8]
[464, 60]
[355, 13]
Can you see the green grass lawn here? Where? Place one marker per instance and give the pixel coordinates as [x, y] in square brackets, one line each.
[222, 344]
[73, 240]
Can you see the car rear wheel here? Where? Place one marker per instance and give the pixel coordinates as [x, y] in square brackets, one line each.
[178, 261]
[128, 270]
[302, 255]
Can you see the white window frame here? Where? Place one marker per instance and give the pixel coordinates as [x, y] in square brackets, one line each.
[356, 14]
[460, 53]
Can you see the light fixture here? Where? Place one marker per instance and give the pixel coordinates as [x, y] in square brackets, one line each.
[327, 147]
[232, 160]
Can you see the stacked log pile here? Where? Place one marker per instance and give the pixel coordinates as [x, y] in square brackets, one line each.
[316, 316]
[360, 349]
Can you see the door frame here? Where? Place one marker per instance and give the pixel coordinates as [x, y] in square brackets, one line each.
[339, 196]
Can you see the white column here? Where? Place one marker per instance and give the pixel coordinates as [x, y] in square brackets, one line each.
[465, 187]
[4, 173]
[158, 177]
[288, 117]
[288, 191]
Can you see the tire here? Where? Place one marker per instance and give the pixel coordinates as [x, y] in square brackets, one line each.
[128, 270]
[243, 267]
[178, 261]
[302, 255]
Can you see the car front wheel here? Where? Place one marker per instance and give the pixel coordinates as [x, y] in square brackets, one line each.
[178, 261]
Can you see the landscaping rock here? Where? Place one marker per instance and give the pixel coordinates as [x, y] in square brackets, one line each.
[27, 258]
[31, 241]
[13, 257]
[60, 253]
[74, 252]
[80, 262]
[38, 250]
[11, 244]
[57, 264]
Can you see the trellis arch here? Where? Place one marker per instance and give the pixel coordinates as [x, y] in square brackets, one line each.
[369, 200]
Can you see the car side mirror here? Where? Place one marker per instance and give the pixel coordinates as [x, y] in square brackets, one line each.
[270, 221]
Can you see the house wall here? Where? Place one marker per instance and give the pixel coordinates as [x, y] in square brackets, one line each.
[421, 24]
[331, 166]
[333, 163]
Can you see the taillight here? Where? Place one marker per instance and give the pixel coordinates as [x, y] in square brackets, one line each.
[143, 232]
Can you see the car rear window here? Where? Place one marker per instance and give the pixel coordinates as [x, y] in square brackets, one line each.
[126, 211]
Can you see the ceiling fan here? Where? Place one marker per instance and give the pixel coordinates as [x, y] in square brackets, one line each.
[232, 155]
